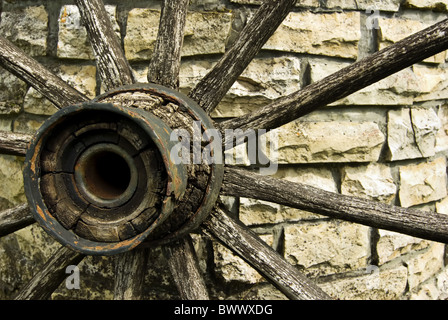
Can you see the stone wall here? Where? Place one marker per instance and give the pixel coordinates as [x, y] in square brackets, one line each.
[387, 143]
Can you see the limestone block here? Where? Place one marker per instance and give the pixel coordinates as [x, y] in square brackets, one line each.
[381, 285]
[335, 141]
[232, 268]
[11, 176]
[330, 34]
[73, 41]
[12, 92]
[392, 245]
[256, 212]
[423, 183]
[80, 77]
[442, 206]
[412, 133]
[263, 80]
[394, 30]
[433, 83]
[436, 5]
[387, 5]
[27, 28]
[425, 265]
[398, 89]
[205, 33]
[373, 181]
[303, 3]
[27, 123]
[327, 247]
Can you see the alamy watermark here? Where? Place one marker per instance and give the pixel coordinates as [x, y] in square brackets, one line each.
[73, 280]
[241, 147]
[372, 21]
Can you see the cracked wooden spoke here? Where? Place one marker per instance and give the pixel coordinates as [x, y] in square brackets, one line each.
[36, 75]
[165, 62]
[184, 267]
[214, 86]
[48, 279]
[130, 270]
[262, 257]
[113, 67]
[14, 144]
[15, 219]
[425, 225]
[357, 76]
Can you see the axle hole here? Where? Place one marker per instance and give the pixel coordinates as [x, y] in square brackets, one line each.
[107, 175]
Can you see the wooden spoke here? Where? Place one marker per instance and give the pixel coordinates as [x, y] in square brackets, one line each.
[14, 144]
[113, 67]
[184, 267]
[40, 78]
[48, 279]
[425, 225]
[165, 62]
[129, 274]
[15, 219]
[359, 75]
[214, 86]
[262, 257]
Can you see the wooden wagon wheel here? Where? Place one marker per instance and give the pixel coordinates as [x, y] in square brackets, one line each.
[152, 200]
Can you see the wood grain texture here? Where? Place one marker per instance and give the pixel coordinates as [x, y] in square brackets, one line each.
[184, 267]
[14, 143]
[355, 77]
[262, 257]
[165, 62]
[426, 225]
[113, 67]
[48, 279]
[15, 219]
[214, 86]
[36, 75]
[130, 270]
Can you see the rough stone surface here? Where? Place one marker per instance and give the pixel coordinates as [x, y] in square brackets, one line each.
[27, 28]
[258, 212]
[398, 89]
[335, 34]
[423, 183]
[412, 133]
[437, 5]
[327, 247]
[308, 142]
[394, 30]
[205, 33]
[73, 41]
[377, 285]
[373, 181]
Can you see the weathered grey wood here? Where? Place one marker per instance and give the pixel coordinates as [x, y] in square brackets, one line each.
[421, 224]
[113, 67]
[36, 75]
[184, 267]
[130, 270]
[165, 62]
[214, 86]
[15, 219]
[262, 257]
[359, 75]
[14, 143]
[48, 279]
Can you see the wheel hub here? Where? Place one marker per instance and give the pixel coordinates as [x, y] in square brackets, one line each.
[100, 176]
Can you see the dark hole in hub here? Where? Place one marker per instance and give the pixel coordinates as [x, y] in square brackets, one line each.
[107, 175]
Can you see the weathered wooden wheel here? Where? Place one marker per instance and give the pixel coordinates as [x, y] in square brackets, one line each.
[101, 177]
